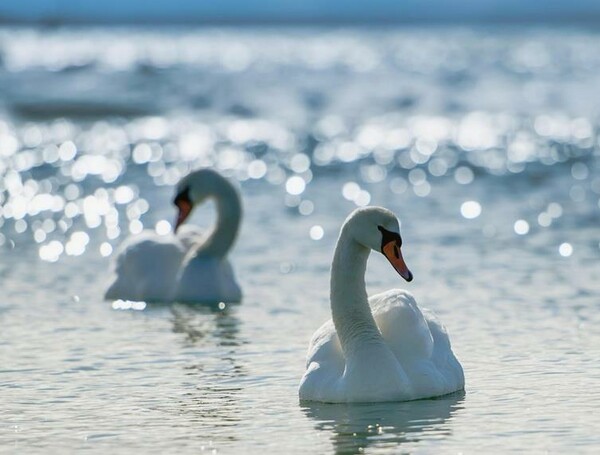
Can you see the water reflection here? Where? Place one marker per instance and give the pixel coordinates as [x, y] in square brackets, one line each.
[208, 321]
[214, 402]
[216, 377]
[355, 427]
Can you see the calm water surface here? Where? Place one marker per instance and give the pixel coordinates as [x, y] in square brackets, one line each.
[485, 143]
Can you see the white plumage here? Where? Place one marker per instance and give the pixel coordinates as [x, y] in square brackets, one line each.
[379, 349]
[189, 266]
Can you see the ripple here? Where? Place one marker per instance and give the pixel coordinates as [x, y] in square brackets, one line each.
[482, 141]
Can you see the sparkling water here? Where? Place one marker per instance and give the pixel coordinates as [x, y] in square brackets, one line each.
[483, 142]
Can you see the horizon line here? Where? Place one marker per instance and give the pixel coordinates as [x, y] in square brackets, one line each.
[50, 21]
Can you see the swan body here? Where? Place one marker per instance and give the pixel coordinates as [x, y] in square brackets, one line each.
[382, 348]
[189, 265]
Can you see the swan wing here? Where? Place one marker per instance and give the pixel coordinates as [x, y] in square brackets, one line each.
[325, 347]
[207, 279]
[324, 365]
[419, 341]
[146, 267]
[442, 356]
[402, 324]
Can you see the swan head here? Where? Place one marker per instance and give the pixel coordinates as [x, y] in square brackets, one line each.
[378, 229]
[193, 190]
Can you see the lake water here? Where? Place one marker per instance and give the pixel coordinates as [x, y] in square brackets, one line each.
[483, 142]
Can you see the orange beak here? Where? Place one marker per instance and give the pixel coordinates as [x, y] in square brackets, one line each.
[185, 208]
[392, 252]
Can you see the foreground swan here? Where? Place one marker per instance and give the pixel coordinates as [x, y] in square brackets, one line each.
[187, 266]
[383, 348]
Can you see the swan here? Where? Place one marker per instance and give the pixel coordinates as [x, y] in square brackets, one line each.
[187, 265]
[382, 348]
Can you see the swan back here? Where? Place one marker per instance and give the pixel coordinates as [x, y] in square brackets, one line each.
[207, 279]
[146, 268]
[402, 324]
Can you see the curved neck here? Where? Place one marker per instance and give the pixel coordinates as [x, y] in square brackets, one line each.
[350, 308]
[229, 213]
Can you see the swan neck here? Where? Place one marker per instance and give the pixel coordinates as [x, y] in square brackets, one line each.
[350, 308]
[229, 213]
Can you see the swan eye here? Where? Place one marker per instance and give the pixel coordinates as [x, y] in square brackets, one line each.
[388, 237]
[183, 196]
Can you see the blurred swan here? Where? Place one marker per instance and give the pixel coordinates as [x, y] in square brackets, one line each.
[382, 348]
[189, 265]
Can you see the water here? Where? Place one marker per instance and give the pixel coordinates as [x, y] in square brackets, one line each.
[483, 142]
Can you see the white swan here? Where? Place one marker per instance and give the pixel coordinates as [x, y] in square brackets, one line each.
[187, 266]
[383, 348]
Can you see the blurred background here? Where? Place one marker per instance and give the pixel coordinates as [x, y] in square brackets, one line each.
[475, 121]
[327, 11]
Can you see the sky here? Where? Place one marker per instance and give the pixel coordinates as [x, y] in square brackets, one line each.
[157, 11]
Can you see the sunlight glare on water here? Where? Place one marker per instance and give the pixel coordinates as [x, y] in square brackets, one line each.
[484, 143]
